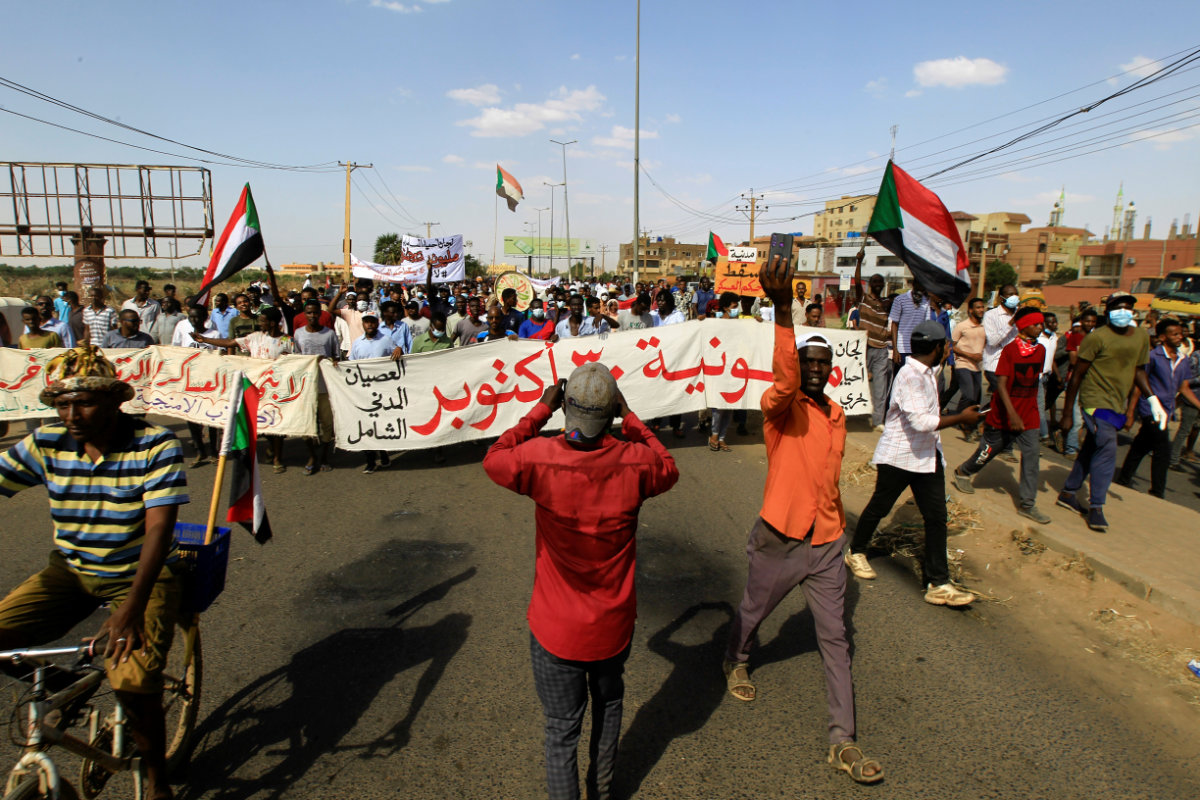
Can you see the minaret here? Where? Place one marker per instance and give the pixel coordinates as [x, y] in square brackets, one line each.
[1118, 213]
[1056, 214]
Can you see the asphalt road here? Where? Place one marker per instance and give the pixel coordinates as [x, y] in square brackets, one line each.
[378, 648]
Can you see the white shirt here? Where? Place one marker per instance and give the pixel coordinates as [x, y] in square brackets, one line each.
[911, 439]
[674, 318]
[1050, 342]
[999, 331]
[183, 335]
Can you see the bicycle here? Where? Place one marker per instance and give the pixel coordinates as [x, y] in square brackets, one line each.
[108, 749]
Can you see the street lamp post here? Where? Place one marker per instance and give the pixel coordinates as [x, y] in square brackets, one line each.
[540, 210]
[566, 208]
[552, 188]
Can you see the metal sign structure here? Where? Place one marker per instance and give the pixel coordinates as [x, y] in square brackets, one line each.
[55, 210]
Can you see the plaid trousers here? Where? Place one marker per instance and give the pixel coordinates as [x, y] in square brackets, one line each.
[563, 687]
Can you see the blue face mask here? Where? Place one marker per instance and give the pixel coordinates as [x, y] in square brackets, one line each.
[719, 314]
[1011, 302]
[734, 313]
[1120, 317]
[435, 333]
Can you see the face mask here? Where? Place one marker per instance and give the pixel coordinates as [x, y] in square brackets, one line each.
[1120, 317]
[420, 295]
[720, 314]
[561, 304]
[734, 313]
[362, 305]
[435, 333]
[538, 313]
[1011, 302]
[61, 292]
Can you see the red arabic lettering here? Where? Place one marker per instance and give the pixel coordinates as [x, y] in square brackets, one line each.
[30, 371]
[458, 404]
[579, 359]
[741, 370]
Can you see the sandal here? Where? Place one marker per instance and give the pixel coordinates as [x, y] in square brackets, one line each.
[279, 469]
[309, 469]
[724, 448]
[712, 444]
[737, 677]
[858, 766]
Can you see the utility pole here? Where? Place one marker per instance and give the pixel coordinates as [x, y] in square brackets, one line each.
[637, 133]
[541, 265]
[428, 227]
[751, 209]
[553, 186]
[566, 208]
[603, 253]
[892, 156]
[350, 167]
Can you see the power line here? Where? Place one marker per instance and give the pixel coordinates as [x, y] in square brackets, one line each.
[247, 162]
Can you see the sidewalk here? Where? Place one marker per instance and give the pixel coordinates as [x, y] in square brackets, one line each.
[1152, 546]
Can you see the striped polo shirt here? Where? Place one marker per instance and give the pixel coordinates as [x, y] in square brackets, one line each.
[908, 314]
[99, 508]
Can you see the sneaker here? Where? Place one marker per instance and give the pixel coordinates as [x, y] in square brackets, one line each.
[948, 595]
[857, 562]
[1121, 480]
[963, 483]
[878, 429]
[1096, 520]
[1067, 500]
[1034, 514]
[369, 469]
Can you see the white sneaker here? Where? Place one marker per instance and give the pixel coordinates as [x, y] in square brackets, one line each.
[948, 595]
[878, 429]
[857, 562]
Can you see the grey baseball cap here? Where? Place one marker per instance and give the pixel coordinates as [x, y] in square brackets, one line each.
[588, 402]
[929, 331]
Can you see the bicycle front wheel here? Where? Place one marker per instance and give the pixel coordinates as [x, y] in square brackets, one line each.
[30, 789]
[181, 694]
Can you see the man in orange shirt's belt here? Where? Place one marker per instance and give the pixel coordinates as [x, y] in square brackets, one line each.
[798, 537]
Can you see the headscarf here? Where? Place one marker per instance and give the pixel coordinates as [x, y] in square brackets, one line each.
[83, 369]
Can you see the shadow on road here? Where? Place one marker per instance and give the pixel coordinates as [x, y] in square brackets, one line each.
[287, 719]
[684, 701]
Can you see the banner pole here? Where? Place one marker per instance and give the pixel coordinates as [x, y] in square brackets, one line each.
[495, 228]
[216, 499]
[234, 403]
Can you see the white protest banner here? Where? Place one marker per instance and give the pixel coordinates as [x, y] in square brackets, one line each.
[481, 390]
[180, 382]
[444, 254]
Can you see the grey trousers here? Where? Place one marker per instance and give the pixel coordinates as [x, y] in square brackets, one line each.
[777, 565]
[563, 687]
[993, 442]
[879, 367]
[1187, 420]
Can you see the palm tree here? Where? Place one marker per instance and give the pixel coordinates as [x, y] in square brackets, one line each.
[387, 249]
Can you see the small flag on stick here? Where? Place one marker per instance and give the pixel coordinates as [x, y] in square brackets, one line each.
[240, 445]
[716, 248]
[508, 188]
[240, 245]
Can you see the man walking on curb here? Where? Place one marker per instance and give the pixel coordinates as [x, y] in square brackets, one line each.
[588, 488]
[873, 318]
[909, 455]
[1111, 361]
[799, 535]
[1015, 413]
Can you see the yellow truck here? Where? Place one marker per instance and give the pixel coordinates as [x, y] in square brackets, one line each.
[1179, 294]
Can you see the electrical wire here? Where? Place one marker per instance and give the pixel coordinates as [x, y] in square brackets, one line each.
[247, 162]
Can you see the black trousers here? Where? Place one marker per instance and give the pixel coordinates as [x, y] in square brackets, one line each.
[1157, 443]
[929, 491]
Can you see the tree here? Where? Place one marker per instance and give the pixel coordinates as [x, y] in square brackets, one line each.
[475, 269]
[387, 249]
[1063, 275]
[999, 273]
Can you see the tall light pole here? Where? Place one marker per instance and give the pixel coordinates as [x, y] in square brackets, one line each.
[540, 210]
[637, 134]
[552, 186]
[566, 208]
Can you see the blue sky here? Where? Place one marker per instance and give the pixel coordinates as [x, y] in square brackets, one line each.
[794, 99]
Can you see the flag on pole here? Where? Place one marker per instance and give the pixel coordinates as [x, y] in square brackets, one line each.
[716, 248]
[241, 243]
[508, 188]
[240, 446]
[911, 222]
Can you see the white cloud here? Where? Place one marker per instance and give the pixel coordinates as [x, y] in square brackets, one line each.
[1140, 66]
[913, 93]
[403, 91]
[450, 158]
[622, 137]
[674, 119]
[414, 168]
[861, 169]
[508, 163]
[399, 8]
[524, 118]
[484, 95]
[960, 71]
[877, 88]
[575, 56]
[1164, 139]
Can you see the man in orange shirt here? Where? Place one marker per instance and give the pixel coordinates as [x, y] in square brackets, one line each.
[798, 537]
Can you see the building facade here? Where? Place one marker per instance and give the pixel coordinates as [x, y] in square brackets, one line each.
[844, 216]
[663, 257]
[1038, 252]
[1121, 263]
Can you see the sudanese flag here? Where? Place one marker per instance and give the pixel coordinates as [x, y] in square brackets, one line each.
[240, 245]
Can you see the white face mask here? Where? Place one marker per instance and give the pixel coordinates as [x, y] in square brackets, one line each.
[734, 313]
[362, 305]
[1011, 301]
[538, 313]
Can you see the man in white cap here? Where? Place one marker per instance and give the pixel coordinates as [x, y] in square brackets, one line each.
[909, 455]
[798, 537]
[588, 487]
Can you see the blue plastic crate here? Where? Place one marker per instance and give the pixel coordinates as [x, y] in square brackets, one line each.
[204, 565]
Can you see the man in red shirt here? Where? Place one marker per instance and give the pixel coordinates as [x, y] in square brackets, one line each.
[1014, 414]
[588, 488]
[799, 535]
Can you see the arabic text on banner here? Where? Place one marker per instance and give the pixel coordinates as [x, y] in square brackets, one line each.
[445, 253]
[482, 390]
[184, 383]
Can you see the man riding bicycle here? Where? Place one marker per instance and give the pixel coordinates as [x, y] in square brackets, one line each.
[115, 484]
